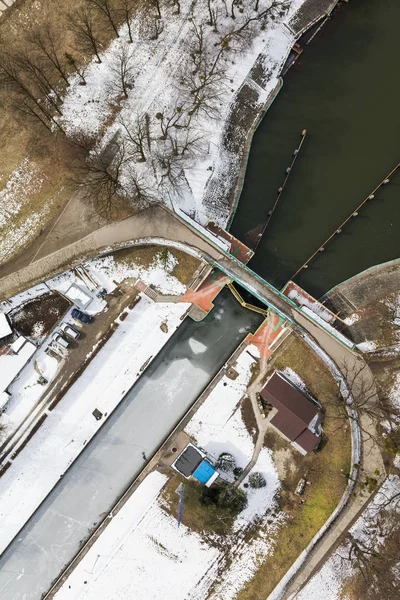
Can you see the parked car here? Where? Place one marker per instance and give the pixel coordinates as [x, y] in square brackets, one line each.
[81, 316]
[60, 339]
[70, 331]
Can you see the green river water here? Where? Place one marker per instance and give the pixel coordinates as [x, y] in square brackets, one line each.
[345, 91]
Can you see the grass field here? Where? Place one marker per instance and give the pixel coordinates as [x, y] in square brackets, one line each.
[325, 470]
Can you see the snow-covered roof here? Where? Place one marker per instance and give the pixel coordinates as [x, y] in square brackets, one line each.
[17, 345]
[78, 296]
[12, 363]
[4, 398]
[5, 328]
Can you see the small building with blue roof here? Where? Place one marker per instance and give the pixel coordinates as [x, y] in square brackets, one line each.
[192, 462]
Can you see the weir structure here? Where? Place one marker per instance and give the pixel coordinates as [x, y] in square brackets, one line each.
[160, 226]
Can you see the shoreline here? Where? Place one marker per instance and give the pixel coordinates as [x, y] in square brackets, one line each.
[325, 13]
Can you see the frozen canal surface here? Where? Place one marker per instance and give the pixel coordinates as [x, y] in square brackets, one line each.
[113, 459]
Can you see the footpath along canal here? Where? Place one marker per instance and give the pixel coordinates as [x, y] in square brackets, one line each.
[345, 91]
[113, 459]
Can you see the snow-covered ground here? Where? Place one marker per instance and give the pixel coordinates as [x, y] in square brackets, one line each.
[162, 73]
[218, 425]
[327, 583]
[106, 273]
[71, 424]
[144, 554]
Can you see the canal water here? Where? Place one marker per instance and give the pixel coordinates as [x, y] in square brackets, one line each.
[113, 459]
[345, 90]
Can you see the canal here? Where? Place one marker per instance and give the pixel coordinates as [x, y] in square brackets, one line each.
[113, 459]
[345, 91]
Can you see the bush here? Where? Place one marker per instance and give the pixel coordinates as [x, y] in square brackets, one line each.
[233, 500]
[226, 462]
[256, 481]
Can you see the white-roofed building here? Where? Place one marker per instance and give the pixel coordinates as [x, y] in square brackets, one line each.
[13, 359]
[5, 328]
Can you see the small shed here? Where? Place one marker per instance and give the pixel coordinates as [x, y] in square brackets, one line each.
[192, 462]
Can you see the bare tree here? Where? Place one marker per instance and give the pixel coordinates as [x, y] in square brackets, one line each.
[36, 74]
[81, 23]
[374, 559]
[105, 9]
[127, 8]
[136, 139]
[156, 4]
[98, 176]
[185, 143]
[47, 44]
[167, 122]
[21, 95]
[80, 70]
[123, 70]
[158, 27]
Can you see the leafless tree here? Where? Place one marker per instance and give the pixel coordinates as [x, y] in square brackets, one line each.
[210, 13]
[80, 70]
[158, 27]
[81, 23]
[185, 143]
[140, 192]
[167, 122]
[123, 71]
[127, 9]
[36, 74]
[98, 176]
[374, 560]
[205, 84]
[47, 44]
[105, 9]
[136, 137]
[156, 4]
[21, 95]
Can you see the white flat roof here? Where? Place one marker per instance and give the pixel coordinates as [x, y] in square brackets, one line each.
[4, 398]
[11, 364]
[5, 328]
[78, 296]
[17, 345]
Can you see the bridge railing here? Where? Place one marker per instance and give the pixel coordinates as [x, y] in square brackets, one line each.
[314, 318]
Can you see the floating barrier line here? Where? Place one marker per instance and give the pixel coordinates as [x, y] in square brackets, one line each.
[282, 187]
[353, 214]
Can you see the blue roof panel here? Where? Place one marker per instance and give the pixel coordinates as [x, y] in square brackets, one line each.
[204, 471]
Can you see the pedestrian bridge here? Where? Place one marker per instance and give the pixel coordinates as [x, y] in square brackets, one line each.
[159, 225]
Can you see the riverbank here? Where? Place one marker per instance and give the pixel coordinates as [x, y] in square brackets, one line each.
[250, 105]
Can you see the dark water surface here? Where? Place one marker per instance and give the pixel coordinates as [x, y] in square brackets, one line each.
[345, 91]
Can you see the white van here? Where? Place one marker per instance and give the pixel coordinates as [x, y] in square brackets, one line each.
[70, 331]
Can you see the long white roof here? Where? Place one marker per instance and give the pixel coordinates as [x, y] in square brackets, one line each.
[5, 328]
[11, 364]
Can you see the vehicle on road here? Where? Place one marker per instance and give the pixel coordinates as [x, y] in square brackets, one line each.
[81, 316]
[70, 331]
[60, 339]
